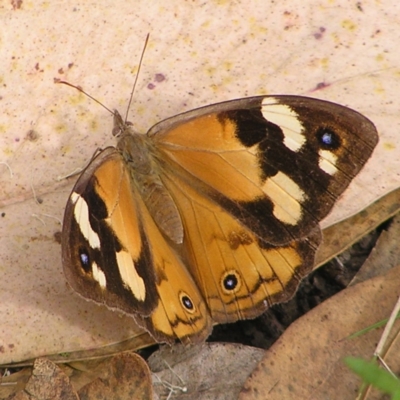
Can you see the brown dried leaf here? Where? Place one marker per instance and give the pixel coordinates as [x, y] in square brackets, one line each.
[206, 371]
[49, 131]
[125, 376]
[46, 382]
[307, 360]
[340, 236]
[385, 255]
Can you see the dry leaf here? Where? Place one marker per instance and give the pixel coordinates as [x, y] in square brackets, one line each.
[47, 382]
[124, 377]
[207, 371]
[338, 237]
[307, 360]
[385, 255]
[49, 131]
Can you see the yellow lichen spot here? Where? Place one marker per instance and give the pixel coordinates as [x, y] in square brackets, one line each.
[349, 25]
[211, 71]
[221, 2]
[379, 89]
[60, 128]
[65, 149]
[133, 70]
[324, 62]
[227, 66]
[389, 146]
[380, 57]
[227, 81]
[77, 99]
[335, 38]
[262, 90]
[94, 125]
[214, 87]
[140, 110]
[262, 30]
[252, 21]
[8, 151]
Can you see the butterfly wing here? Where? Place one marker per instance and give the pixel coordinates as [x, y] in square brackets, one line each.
[277, 164]
[114, 254]
[252, 178]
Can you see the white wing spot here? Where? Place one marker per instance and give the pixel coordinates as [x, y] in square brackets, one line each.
[81, 214]
[287, 197]
[327, 162]
[287, 119]
[129, 275]
[99, 276]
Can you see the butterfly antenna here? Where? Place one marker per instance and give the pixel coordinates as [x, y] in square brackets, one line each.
[56, 80]
[85, 93]
[137, 76]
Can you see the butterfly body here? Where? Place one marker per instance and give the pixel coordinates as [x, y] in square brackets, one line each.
[213, 215]
[139, 154]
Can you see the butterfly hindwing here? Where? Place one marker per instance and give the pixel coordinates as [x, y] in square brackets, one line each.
[181, 312]
[239, 274]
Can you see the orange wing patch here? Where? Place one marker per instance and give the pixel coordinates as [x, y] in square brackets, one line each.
[208, 149]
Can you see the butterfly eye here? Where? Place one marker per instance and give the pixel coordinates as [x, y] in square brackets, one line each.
[186, 302]
[328, 139]
[231, 282]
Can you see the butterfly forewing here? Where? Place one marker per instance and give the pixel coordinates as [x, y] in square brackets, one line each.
[106, 256]
[277, 164]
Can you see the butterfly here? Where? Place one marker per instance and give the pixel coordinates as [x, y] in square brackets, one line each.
[213, 215]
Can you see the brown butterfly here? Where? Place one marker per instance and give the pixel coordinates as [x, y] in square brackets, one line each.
[213, 215]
